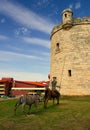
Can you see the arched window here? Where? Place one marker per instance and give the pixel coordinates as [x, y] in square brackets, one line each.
[65, 15]
[69, 73]
[57, 47]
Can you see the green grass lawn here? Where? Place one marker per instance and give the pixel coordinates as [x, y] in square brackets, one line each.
[73, 113]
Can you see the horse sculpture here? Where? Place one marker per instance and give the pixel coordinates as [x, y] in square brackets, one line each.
[50, 94]
[27, 100]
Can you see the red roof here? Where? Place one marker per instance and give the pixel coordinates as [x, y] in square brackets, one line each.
[31, 83]
[23, 83]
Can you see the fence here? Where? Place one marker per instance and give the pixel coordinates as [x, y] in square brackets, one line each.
[31, 90]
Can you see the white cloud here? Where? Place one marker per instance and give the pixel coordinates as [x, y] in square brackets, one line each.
[25, 17]
[10, 56]
[37, 41]
[2, 20]
[2, 37]
[71, 6]
[46, 54]
[22, 31]
[77, 5]
[42, 3]
[26, 76]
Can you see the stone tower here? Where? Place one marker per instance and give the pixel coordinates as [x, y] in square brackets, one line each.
[70, 54]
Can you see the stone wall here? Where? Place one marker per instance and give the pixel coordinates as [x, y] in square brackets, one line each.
[75, 21]
[71, 63]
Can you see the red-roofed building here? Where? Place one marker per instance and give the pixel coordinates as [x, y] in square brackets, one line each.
[6, 84]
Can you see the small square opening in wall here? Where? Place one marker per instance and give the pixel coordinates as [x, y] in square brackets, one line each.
[65, 15]
[57, 47]
[69, 73]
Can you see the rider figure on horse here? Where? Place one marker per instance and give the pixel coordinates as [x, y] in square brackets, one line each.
[54, 82]
[51, 94]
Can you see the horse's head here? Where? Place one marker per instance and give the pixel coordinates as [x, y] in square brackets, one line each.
[38, 97]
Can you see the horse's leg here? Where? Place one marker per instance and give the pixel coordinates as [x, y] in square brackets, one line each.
[58, 100]
[53, 101]
[18, 103]
[23, 108]
[16, 106]
[45, 103]
[29, 109]
[36, 105]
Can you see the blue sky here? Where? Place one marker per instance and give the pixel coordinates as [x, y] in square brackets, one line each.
[25, 27]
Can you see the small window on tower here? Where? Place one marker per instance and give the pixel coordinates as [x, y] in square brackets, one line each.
[65, 15]
[69, 73]
[57, 47]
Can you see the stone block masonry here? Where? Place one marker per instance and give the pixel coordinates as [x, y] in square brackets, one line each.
[70, 54]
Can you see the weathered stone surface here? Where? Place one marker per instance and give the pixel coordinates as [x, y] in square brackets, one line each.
[73, 56]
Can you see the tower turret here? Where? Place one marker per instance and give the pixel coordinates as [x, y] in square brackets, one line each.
[67, 18]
